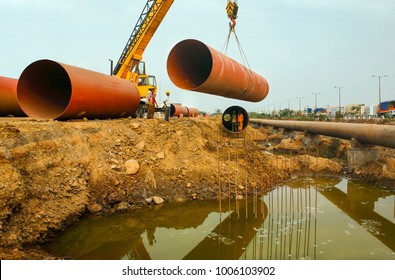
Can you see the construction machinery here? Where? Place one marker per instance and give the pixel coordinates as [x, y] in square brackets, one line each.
[130, 65]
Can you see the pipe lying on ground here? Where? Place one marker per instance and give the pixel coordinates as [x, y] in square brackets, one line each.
[193, 112]
[52, 90]
[177, 110]
[8, 98]
[371, 134]
[192, 65]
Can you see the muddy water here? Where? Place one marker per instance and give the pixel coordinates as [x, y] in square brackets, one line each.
[316, 218]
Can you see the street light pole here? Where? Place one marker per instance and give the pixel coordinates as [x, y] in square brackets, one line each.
[300, 104]
[379, 76]
[340, 107]
[316, 93]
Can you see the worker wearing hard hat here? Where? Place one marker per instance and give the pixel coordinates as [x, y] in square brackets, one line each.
[166, 103]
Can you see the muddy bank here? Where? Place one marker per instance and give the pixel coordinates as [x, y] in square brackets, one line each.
[53, 172]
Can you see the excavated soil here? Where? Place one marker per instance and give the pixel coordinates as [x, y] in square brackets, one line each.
[52, 173]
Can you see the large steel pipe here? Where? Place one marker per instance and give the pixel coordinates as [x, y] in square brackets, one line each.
[8, 98]
[382, 135]
[192, 65]
[52, 90]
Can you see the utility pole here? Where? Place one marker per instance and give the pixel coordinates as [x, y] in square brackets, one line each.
[379, 77]
[340, 108]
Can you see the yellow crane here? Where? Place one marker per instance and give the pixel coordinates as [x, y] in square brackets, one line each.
[130, 65]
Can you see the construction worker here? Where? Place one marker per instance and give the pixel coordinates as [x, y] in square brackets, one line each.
[167, 105]
[234, 122]
[154, 103]
[151, 103]
[240, 120]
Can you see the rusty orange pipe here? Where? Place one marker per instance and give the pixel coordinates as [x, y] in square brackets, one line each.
[52, 90]
[193, 112]
[8, 98]
[192, 65]
[177, 110]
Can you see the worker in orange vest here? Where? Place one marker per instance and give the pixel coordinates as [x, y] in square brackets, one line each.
[240, 120]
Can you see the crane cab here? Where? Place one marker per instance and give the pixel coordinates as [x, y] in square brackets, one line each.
[139, 77]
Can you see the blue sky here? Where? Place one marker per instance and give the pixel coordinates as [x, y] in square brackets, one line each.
[299, 46]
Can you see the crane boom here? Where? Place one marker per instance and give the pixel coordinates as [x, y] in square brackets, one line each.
[151, 17]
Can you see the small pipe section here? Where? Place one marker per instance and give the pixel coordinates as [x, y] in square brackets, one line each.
[8, 98]
[177, 110]
[194, 66]
[370, 134]
[193, 112]
[53, 90]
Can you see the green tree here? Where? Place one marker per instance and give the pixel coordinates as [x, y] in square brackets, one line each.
[217, 112]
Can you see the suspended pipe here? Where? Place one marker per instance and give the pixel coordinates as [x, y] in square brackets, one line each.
[8, 98]
[194, 66]
[53, 90]
[371, 134]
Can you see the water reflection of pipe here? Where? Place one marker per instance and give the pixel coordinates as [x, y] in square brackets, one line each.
[116, 237]
[52, 90]
[8, 98]
[192, 65]
[230, 238]
[362, 213]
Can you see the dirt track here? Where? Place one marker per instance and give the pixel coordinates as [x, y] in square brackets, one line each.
[54, 172]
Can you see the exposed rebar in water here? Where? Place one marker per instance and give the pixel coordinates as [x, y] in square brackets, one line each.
[219, 176]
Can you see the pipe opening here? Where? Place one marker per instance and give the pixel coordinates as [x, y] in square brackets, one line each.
[189, 64]
[44, 90]
[172, 110]
[233, 122]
